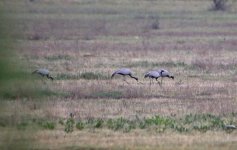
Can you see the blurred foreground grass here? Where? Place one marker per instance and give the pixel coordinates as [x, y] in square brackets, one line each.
[12, 77]
[14, 82]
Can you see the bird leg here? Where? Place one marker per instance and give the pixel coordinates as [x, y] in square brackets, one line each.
[158, 82]
[161, 81]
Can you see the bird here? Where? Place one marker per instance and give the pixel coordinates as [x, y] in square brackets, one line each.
[152, 75]
[165, 73]
[230, 126]
[124, 72]
[43, 72]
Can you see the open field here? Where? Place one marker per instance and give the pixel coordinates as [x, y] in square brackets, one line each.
[82, 42]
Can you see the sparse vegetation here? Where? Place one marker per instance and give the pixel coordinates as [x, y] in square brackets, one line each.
[80, 125]
[219, 5]
[146, 64]
[109, 94]
[64, 76]
[85, 75]
[91, 75]
[69, 125]
[58, 57]
[47, 124]
[188, 123]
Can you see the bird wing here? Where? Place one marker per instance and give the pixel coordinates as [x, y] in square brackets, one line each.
[155, 74]
[125, 71]
[122, 71]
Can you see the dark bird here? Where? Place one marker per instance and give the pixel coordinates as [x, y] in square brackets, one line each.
[43, 73]
[152, 75]
[164, 73]
[124, 72]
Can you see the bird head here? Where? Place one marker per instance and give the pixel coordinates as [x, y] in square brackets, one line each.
[161, 71]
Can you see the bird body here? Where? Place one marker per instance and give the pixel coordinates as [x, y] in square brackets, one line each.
[165, 73]
[43, 72]
[152, 75]
[124, 72]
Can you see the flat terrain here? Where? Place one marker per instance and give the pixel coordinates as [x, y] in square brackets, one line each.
[82, 42]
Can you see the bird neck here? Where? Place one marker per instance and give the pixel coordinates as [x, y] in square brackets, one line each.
[161, 72]
[133, 77]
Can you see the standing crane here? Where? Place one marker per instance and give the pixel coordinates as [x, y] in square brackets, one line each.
[43, 73]
[124, 72]
[152, 75]
[165, 73]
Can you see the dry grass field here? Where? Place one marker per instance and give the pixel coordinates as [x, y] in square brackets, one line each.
[82, 42]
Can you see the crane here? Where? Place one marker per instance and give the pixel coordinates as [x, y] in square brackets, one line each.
[43, 72]
[152, 75]
[124, 72]
[164, 73]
